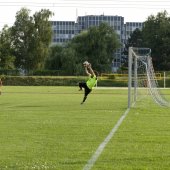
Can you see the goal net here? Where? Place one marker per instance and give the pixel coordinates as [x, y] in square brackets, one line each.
[142, 80]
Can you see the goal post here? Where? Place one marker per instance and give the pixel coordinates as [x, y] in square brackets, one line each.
[142, 80]
[129, 76]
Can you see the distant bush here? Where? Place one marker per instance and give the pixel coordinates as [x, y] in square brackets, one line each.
[65, 81]
[40, 81]
[14, 72]
[55, 81]
[47, 73]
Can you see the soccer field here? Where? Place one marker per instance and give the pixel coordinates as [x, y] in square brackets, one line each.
[46, 128]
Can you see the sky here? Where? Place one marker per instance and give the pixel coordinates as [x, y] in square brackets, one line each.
[68, 10]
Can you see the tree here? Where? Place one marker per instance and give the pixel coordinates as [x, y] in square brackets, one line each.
[6, 51]
[97, 45]
[54, 61]
[21, 32]
[31, 38]
[63, 58]
[43, 37]
[71, 64]
[135, 40]
[156, 35]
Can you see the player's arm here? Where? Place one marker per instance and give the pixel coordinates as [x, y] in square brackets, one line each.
[87, 72]
[91, 70]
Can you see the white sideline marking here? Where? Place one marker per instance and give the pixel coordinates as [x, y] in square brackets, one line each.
[101, 147]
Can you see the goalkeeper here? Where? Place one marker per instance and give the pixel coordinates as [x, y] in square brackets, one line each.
[90, 83]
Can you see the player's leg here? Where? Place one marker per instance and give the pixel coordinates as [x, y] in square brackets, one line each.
[86, 92]
[82, 85]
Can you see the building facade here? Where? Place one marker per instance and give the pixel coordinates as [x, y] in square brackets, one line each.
[65, 30]
[129, 27]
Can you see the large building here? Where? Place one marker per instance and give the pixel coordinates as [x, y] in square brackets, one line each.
[130, 27]
[65, 30]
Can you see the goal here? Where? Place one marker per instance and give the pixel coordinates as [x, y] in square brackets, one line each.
[142, 80]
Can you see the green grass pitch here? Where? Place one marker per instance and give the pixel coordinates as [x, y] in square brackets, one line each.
[46, 128]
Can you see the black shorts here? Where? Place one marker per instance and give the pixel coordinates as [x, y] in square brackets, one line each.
[86, 89]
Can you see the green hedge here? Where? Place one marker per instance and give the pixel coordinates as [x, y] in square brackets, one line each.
[55, 81]
[13, 72]
[63, 81]
[39, 81]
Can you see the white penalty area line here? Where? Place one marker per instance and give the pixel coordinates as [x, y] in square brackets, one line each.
[101, 147]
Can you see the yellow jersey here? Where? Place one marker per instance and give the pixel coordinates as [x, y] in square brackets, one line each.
[91, 82]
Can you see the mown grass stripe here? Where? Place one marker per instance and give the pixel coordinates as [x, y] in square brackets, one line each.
[101, 147]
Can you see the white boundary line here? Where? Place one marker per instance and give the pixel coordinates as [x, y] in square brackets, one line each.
[101, 147]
